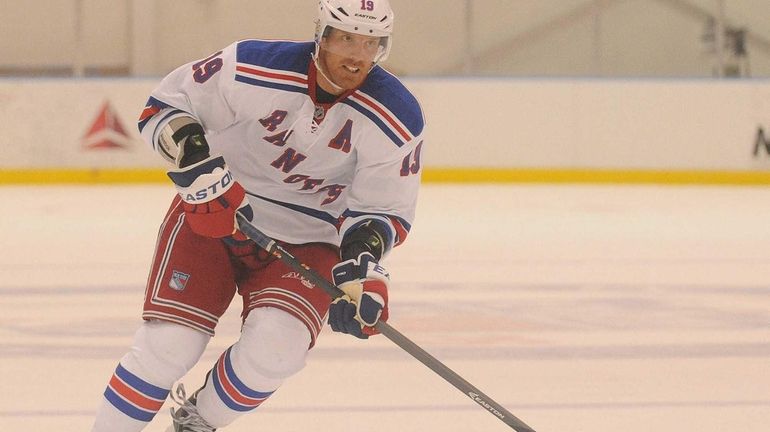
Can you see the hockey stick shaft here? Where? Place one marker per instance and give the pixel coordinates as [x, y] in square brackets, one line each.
[270, 245]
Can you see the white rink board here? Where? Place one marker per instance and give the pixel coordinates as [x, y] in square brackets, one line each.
[494, 123]
[613, 124]
[45, 123]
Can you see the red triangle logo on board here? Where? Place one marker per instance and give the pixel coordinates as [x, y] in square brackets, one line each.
[107, 131]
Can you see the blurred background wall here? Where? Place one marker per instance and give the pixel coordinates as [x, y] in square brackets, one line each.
[665, 91]
[600, 38]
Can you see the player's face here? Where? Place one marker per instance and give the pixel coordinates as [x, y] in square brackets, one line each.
[346, 58]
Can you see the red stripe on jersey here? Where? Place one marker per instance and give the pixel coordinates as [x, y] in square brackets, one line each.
[360, 96]
[401, 232]
[134, 396]
[148, 112]
[271, 74]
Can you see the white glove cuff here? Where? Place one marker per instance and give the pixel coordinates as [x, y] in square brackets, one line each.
[205, 181]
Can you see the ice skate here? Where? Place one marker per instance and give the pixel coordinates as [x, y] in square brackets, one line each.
[186, 418]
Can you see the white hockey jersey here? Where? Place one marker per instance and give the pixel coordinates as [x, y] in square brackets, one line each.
[311, 171]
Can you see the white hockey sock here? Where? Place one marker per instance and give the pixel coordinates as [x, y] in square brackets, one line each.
[162, 353]
[272, 347]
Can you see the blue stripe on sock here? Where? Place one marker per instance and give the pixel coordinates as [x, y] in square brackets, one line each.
[126, 408]
[140, 385]
[224, 396]
[240, 385]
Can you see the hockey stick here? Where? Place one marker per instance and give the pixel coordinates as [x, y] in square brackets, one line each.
[394, 335]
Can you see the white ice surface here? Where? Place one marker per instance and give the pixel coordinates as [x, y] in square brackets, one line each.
[578, 308]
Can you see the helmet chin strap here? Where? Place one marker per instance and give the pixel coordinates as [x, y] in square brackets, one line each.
[321, 71]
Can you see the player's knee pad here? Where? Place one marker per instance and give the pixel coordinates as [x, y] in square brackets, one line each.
[273, 343]
[163, 351]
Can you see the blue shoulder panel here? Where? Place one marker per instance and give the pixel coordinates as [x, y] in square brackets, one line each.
[390, 92]
[281, 55]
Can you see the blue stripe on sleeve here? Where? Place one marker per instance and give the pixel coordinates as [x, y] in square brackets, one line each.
[318, 214]
[152, 102]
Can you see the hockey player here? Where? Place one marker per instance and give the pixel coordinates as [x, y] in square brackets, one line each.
[320, 148]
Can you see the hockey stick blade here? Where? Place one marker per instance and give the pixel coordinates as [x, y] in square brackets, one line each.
[269, 245]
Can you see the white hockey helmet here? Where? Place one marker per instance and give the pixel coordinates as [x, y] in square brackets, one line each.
[364, 17]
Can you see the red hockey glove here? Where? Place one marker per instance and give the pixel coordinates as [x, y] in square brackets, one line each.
[211, 197]
[365, 284]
